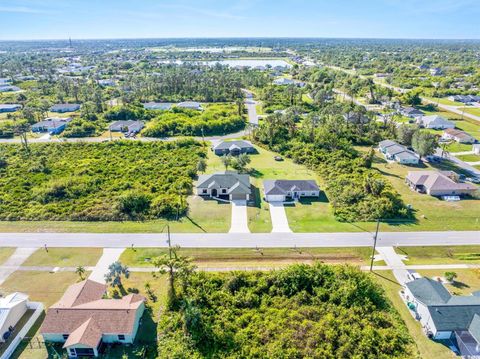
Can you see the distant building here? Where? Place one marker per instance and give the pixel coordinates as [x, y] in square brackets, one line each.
[398, 153]
[107, 83]
[435, 122]
[283, 81]
[65, 107]
[129, 127]
[9, 107]
[191, 105]
[467, 99]
[233, 147]
[438, 183]
[411, 112]
[12, 309]
[356, 117]
[84, 321]
[283, 190]
[458, 136]
[9, 88]
[157, 106]
[228, 184]
[51, 125]
[436, 71]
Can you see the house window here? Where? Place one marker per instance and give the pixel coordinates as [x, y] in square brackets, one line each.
[65, 336]
[72, 352]
[224, 190]
[121, 337]
[204, 191]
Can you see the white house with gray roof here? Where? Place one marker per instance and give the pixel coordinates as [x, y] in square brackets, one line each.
[398, 153]
[12, 308]
[435, 122]
[191, 105]
[282, 190]
[233, 148]
[445, 316]
[228, 185]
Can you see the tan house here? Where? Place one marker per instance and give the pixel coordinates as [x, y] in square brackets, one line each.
[458, 136]
[84, 321]
[438, 183]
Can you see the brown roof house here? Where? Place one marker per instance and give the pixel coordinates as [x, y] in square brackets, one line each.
[438, 183]
[84, 321]
[458, 136]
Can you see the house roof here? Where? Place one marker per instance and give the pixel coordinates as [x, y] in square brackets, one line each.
[435, 119]
[10, 106]
[228, 145]
[189, 104]
[157, 105]
[235, 182]
[83, 313]
[412, 111]
[406, 155]
[52, 122]
[65, 106]
[458, 134]
[437, 180]
[88, 334]
[387, 143]
[131, 125]
[428, 291]
[273, 187]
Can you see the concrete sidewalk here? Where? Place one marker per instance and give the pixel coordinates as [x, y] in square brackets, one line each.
[109, 256]
[394, 261]
[14, 262]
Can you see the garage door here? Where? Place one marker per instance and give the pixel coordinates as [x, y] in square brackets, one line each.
[239, 196]
[275, 198]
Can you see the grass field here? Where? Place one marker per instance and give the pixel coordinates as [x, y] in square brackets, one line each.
[469, 158]
[427, 348]
[5, 253]
[441, 255]
[64, 257]
[245, 257]
[472, 110]
[467, 281]
[444, 101]
[458, 147]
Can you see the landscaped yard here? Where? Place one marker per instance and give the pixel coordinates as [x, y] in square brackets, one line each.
[458, 147]
[441, 255]
[246, 257]
[64, 257]
[467, 281]
[469, 158]
[427, 348]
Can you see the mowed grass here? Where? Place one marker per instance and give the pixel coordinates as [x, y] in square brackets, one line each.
[469, 158]
[467, 281]
[5, 253]
[427, 349]
[440, 255]
[472, 110]
[458, 147]
[444, 101]
[241, 257]
[64, 257]
[203, 216]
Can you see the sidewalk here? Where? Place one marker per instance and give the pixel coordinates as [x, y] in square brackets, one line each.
[14, 262]
[394, 262]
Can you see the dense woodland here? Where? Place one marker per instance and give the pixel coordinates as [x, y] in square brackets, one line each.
[302, 311]
[121, 180]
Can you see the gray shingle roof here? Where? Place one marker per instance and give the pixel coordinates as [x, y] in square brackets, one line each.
[237, 183]
[272, 187]
[224, 145]
[428, 291]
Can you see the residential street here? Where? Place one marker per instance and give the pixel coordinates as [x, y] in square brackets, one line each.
[251, 107]
[238, 240]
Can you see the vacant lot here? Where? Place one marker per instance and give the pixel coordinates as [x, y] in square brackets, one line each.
[64, 257]
[242, 257]
[441, 255]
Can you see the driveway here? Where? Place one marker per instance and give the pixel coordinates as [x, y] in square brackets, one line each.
[279, 218]
[394, 261]
[239, 217]
[109, 256]
[15, 261]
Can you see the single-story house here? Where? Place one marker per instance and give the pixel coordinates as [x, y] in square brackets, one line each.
[281, 190]
[435, 122]
[411, 112]
[228, 184]
[107, 82]
[83, 320]
[191, 105]
[9, 107]
[356, 117]
[476, 149]
[233, 147]
[398, 153]
[9, 88]
[283, 81]
[438, 183]
[128, 127]
[157, 105]
[436, 71]
[465, 98]
[52, 125]
[446, 316]
[12, 309]
[458, 136]
[65, 107]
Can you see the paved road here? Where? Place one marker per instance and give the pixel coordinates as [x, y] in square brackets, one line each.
[459, 163]
[453, 109]
[238, 240]
[251, 104]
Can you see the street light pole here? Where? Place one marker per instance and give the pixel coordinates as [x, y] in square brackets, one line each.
[374, 244]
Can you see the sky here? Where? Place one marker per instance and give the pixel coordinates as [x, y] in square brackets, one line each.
[92, 19]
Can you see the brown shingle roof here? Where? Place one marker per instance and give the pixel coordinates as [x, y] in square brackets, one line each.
[88, 334]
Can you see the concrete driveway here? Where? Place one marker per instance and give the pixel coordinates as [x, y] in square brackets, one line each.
[109, 256]
[239, 217]
[279, 218]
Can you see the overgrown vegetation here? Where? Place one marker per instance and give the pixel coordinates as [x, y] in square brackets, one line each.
[97, 181]
[302, 311]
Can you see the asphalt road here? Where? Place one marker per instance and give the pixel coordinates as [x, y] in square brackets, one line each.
[238, 240]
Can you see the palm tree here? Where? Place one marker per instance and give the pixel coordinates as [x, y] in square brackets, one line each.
[115, 272]
[80, 271]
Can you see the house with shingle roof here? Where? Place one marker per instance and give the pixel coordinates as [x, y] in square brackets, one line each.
[435, 122]
[12, 309]
[446, 316]
[283, 190]
[10, 107]
[128, 127]
[458, 136]
[233, 148]
[191, 105]
[438, 183]
[84, 321]
[398, 153]
[229, 185]
[65, 107]
[411, 112]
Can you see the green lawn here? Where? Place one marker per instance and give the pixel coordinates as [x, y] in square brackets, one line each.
[472, 110]
[469, 158]
[5, 253]
[427, 349]
[467, 281]
[458, 147]
[64, 257]
[470, 126]
[441, 255]
[242, 257]
[444, 101]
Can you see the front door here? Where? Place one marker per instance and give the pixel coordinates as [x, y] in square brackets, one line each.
[214, 193]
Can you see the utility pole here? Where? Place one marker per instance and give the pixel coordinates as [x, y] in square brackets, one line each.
[374, 244]
[169, 241]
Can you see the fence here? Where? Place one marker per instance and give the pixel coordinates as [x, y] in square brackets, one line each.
[38, 307]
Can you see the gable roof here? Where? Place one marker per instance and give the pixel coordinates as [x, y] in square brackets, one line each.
[437, 180]
[428, 291]
[228, 145]
[88, 334]
[458, 134]
[239, 183]
[273, 187]
[386, 143]
[412, 111]
[435, 119]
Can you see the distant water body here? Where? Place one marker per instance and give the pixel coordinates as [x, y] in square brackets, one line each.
[240, 63]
